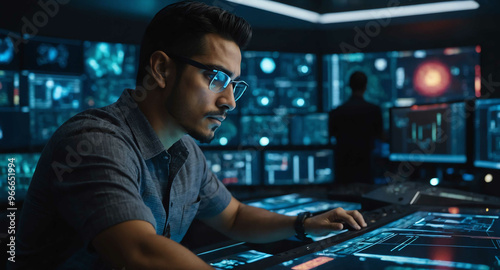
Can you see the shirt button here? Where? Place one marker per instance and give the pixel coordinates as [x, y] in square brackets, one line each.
[165, 157]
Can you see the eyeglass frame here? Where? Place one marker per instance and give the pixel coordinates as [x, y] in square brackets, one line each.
[199, 65]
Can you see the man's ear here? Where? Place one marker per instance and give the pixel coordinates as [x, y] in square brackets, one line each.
[161, 67]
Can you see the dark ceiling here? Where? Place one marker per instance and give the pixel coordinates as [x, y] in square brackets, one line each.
[125, 20]
[11, 12]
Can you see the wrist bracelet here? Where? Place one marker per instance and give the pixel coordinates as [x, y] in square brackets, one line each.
[300, 231]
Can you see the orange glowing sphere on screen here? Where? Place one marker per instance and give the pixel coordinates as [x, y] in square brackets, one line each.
[432, 79]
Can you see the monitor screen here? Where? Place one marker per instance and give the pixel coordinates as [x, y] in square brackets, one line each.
[110, 68]
[10, 96]
[437, 75]
[235, 167]
[53, 55]
[14, 130]
[238, 259]
[9, 50]
[487, 134]
[422, 240]
[280, 202]
[54, 92]
[309, 129]
[298, 167]
[25, 165]
[279, 81]
[263, 130]
[232, 256]
[429, 133]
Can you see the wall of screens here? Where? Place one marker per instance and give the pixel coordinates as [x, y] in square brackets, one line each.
[49, 80]
[282, 114]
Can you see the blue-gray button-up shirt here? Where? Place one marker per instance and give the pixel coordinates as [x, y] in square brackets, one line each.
[103, 167]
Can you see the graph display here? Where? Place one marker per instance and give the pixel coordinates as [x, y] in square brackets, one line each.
[298, 167]
[422, 240]
[235, 167]
[10, 96]
[487, 134]
[429, 133]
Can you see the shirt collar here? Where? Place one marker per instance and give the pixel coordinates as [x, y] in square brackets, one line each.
[147, 140]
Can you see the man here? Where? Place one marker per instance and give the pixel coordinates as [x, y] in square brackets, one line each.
[119, 186]
[355, 124]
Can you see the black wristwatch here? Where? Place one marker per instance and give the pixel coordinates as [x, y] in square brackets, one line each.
[300, 231]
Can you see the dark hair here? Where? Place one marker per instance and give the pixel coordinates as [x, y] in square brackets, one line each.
[180, 28]
[358, 81]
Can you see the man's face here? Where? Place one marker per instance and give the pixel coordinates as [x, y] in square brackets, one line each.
[192, 104]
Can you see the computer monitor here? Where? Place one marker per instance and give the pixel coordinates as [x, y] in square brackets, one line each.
[309, 129]
[279, 81]
[9, 50]
[14, 131]
[422, 240]
[43, 54]
[53, 99]
[487, 134]
[54, 92]
[110, 68]
[293, 204]
[10, 96]
[280, 202]
[263, 130]
[437, 75]
[298, 167]
[429, 133]
[235, 167]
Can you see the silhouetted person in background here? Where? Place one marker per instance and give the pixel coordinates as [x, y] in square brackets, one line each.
[355, 124]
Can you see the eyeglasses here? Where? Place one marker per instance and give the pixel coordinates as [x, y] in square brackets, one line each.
[219, 80]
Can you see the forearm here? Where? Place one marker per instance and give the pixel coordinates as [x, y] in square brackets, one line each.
[135, 245]
[158, 252]
[258, 225]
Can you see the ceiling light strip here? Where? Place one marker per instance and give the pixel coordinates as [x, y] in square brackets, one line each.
[397, 11]
[283, 9]
[360, 15]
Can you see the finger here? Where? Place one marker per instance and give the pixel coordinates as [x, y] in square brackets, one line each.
[348, 220]
[352, 218]
[358, 217]
[336, 226]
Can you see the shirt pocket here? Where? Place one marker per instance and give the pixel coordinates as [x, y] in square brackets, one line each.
[189, 211]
